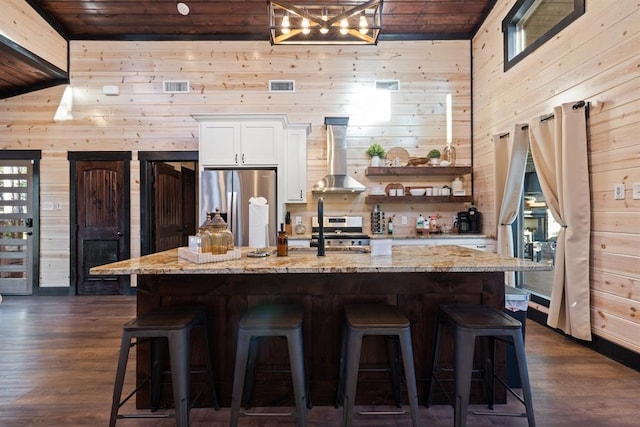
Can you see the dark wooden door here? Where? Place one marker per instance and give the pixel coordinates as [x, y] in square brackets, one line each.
[168, 223]
[102, 224]
[188, 204]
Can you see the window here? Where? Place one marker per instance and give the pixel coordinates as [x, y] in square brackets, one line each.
[530, 23]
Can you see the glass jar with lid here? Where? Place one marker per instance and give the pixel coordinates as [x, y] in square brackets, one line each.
[221, 237]
[204, 234]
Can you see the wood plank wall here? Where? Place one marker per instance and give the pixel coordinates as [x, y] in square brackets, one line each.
[232, 77]
[595, 59]
[21, 24]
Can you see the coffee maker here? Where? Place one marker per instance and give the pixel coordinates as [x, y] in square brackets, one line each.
[470, 221]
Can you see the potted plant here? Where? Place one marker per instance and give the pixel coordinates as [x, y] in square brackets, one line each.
[376, 152]
[434, 156]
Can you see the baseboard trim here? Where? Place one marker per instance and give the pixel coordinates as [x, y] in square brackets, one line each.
[600, 345]
[54, 291]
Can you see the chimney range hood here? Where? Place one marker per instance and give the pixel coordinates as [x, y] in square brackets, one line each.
[337, 180]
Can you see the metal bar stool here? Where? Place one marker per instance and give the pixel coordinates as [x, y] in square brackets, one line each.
[375, 319]
[173, 325]
[271, 321]
[468, 321]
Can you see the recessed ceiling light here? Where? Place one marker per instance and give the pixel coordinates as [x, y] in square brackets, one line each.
[183, 9]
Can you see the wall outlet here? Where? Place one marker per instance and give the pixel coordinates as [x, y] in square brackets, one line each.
[636, 191]
[47, 206]
[403, 220]
[618, 192]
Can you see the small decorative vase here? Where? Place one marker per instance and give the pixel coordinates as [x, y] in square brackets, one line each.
[375, 161]
[449, 154]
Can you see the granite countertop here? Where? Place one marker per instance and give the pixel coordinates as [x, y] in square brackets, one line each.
[427, 236]
[404, 259]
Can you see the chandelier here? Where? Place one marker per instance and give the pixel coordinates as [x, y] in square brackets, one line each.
[343, 23]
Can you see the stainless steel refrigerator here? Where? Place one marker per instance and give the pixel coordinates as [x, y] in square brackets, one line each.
[230, 190]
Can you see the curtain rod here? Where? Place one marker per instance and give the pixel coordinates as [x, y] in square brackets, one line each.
[576, 106]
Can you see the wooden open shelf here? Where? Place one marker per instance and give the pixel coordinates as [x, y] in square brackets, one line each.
[418, 199]
[418, 171]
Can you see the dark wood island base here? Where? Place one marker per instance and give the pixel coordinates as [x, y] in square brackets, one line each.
[323, 296]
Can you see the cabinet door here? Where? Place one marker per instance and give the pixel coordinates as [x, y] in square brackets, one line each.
[259, 143]
[220, 144]
[296, 166]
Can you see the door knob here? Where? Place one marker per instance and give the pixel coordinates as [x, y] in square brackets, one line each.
[120, 233]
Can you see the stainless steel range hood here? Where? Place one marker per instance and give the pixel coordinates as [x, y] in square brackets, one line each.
[337, 180]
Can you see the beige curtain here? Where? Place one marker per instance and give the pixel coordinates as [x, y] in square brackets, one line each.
[559, 151]
[510, 162]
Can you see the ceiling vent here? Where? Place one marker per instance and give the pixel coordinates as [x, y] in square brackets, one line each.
[175, 86]
[390, 85]
[282, 85]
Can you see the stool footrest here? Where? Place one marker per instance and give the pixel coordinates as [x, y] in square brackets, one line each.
[382, 412]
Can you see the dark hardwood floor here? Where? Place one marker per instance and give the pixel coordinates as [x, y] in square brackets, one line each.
[58, 358]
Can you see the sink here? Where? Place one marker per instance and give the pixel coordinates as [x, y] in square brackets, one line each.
[341, 249]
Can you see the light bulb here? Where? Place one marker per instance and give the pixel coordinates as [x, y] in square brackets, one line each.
[285, 24]
[344, 27]
[305, 26]
[324, 30]
[364, 26]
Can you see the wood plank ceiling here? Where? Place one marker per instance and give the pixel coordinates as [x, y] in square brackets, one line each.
[213, 20]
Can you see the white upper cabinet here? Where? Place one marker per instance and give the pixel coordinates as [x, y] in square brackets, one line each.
[296, 163]
[239, 141]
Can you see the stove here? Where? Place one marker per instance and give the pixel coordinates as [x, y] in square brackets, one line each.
[340, 231]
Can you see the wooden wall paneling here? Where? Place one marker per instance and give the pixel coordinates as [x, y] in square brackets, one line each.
[232, 77]
[20, 23]
[615, 329]
[594, 59]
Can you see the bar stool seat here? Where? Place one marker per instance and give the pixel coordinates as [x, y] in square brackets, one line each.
[173, 325]
[374, 319]
[270, 321]
[467, 322]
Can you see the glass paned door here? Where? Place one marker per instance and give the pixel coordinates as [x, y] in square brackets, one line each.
[537, 235]
[16, 227]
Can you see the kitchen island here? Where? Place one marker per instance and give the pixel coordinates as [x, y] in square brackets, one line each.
[415, 279]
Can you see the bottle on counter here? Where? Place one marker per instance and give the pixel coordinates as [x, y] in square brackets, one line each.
[283, 242]
[420, 224]
[288, 227]
[390, 226]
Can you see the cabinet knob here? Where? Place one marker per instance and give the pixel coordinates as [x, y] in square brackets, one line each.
[242, 158]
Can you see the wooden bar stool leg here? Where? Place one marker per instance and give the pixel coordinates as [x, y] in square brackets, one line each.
[406, 349]
[354, 344]
[179, 347]
[463, 365]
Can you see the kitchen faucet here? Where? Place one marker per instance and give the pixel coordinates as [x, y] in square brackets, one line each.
[321, 226]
